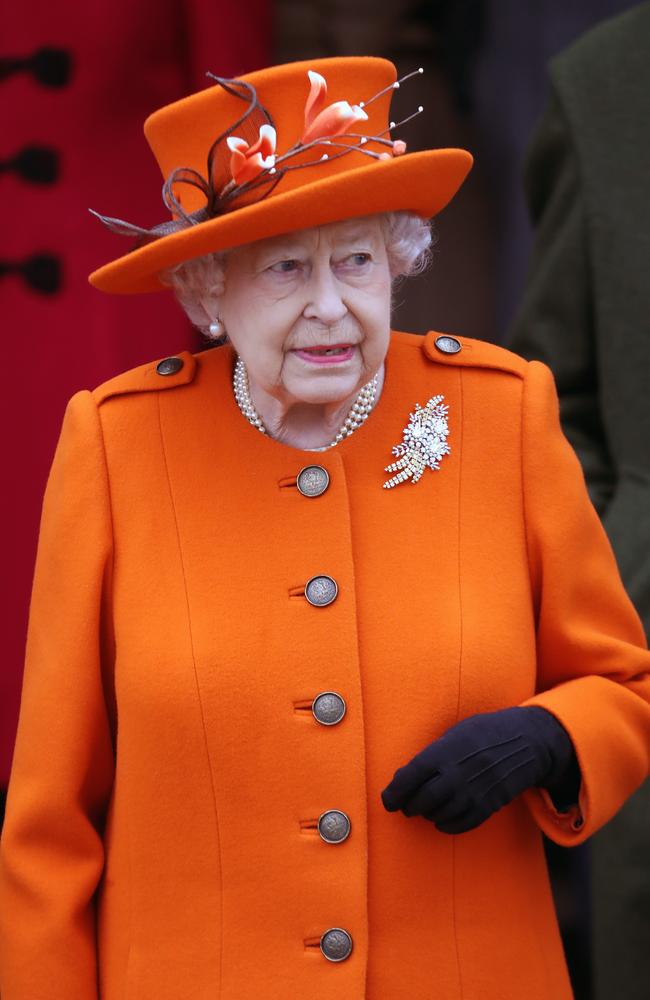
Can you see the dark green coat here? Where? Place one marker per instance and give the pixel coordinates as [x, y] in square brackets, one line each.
[586, 313]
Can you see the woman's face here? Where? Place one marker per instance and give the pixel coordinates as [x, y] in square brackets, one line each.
[309, 312]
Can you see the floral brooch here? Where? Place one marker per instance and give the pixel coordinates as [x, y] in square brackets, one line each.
[424, 443]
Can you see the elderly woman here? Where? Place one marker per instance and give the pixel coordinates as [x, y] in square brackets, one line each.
[324, 631]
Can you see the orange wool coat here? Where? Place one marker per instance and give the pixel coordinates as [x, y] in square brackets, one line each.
[161, 839]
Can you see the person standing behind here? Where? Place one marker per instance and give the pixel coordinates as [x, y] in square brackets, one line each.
[586, 313]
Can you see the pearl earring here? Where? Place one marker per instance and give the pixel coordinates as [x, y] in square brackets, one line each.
[216, 328]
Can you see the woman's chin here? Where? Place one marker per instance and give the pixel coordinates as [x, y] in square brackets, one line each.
[321, 384]
[324, 389]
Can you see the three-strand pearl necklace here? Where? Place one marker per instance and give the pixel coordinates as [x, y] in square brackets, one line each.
[359, 411]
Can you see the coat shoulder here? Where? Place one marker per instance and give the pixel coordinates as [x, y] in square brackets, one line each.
[616, 43]
[464, 352]
[153, 376]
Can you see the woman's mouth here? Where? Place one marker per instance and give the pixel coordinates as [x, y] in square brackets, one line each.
[326, 354]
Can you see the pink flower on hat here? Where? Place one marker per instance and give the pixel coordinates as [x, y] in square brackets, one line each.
[336, 118]
[247, 162]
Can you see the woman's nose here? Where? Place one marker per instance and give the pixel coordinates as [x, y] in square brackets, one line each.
[324, 301]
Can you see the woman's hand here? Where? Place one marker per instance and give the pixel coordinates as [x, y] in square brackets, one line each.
[481, 764]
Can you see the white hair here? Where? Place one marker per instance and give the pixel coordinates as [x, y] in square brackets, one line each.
[199, 283]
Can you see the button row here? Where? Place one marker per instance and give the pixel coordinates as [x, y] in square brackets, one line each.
[334, 825]
[328, 708]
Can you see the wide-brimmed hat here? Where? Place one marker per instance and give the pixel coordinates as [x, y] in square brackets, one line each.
[285, 148]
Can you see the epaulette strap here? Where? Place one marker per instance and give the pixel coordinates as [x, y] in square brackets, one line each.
[165, 373]
[453, 350]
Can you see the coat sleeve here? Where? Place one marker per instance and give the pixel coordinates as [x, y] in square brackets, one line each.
[51, 857]
[593, 662]
[555, 322]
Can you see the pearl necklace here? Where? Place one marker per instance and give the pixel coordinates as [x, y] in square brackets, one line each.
[359, 411]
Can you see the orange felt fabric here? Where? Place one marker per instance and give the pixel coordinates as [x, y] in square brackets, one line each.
[173, 549]
[321, 191]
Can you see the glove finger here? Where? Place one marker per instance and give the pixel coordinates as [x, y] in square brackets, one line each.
[460, 821]
[452, 809]
[408, 779]
[431, 796]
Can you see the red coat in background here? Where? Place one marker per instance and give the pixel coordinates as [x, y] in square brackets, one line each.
[116, 62]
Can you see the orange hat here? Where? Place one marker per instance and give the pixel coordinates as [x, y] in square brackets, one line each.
[285, 148]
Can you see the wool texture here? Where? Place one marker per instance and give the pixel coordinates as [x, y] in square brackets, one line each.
[161, 833]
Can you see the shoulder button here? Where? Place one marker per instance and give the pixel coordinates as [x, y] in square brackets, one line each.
[448, 345]
[457, 352]
[169, 366]
[145, 378]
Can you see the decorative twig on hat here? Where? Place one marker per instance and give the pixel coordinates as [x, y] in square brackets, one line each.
[247, 162]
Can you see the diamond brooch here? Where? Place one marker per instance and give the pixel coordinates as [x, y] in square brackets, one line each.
[424, 443]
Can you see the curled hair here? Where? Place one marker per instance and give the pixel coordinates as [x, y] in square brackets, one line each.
[199, 283]
[408, 241]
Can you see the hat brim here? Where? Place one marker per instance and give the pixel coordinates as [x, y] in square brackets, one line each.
[422, 182]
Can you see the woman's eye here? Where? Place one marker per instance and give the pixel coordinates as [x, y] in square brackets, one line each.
[359, 259]
[285, 266]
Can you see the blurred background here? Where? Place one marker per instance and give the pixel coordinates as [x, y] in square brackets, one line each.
[78, 80]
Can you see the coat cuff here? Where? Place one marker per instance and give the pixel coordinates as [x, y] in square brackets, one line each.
[607, 724]
[568, 829]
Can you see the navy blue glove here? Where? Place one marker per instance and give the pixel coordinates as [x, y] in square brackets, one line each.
[481, 764]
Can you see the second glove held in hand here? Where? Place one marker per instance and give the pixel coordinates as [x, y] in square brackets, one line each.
[481, 764]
